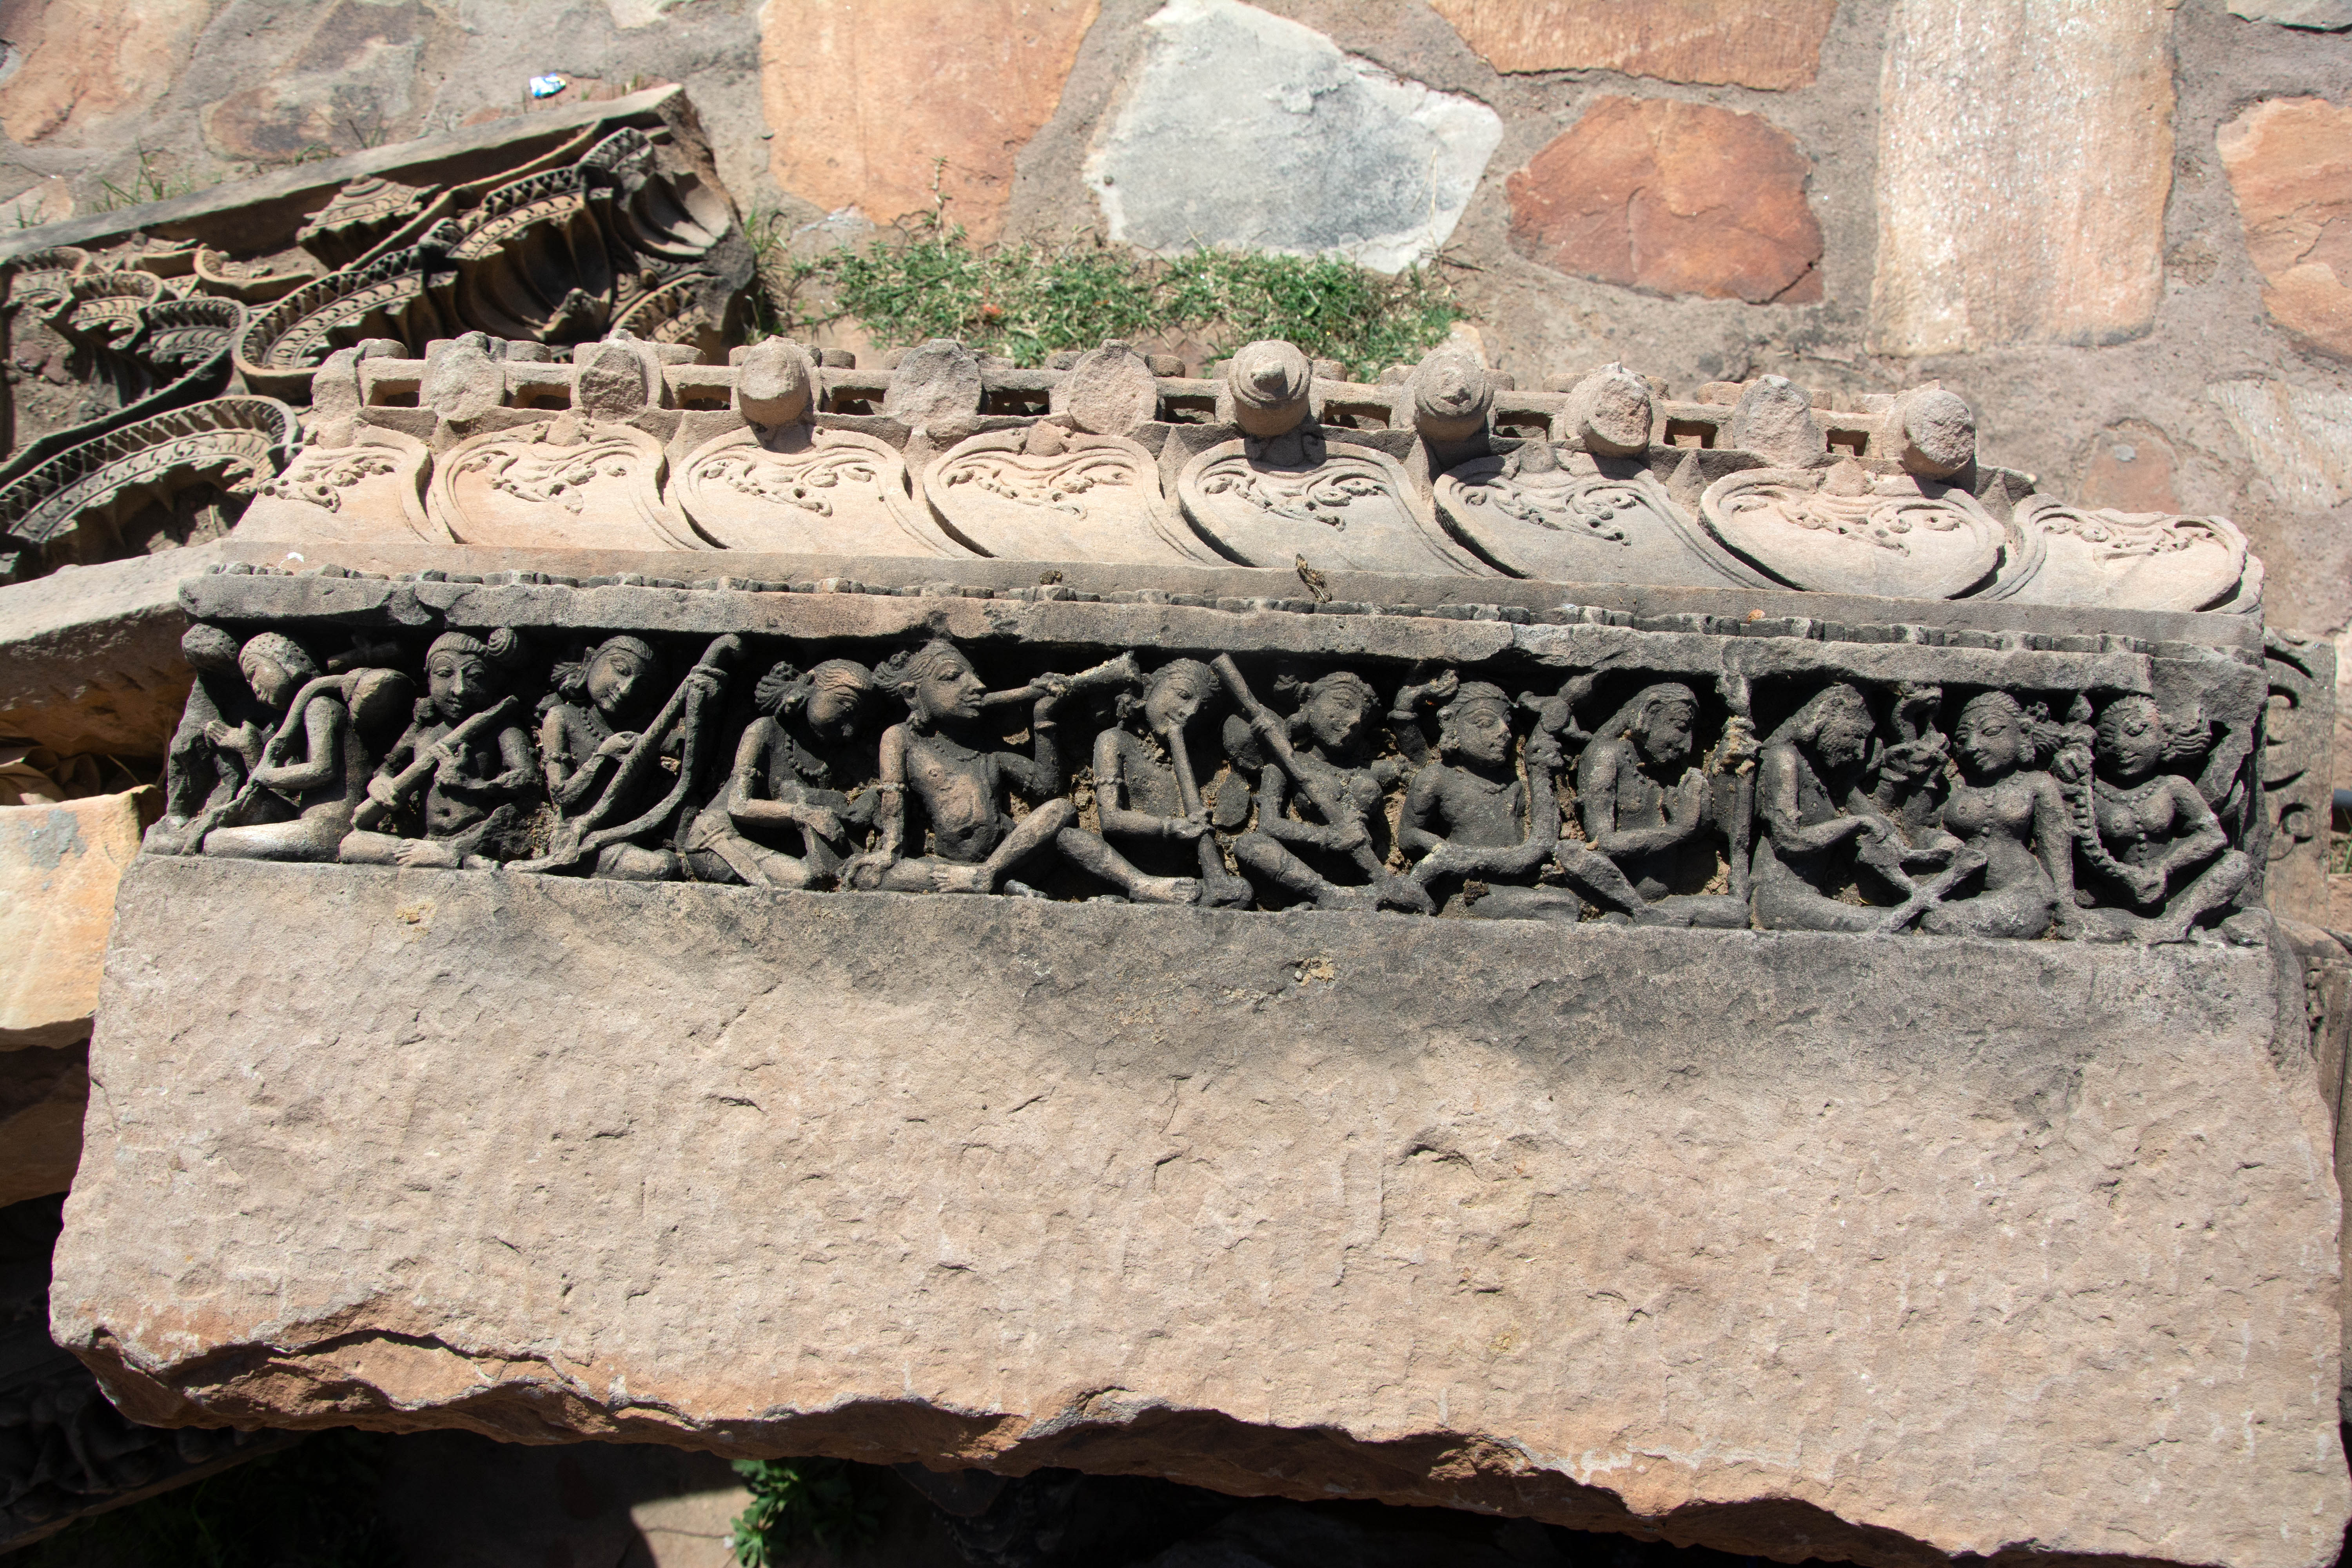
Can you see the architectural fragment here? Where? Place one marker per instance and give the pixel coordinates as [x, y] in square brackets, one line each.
[58, 866]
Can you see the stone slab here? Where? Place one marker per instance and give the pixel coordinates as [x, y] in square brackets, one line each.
[1244, 129]
[2024, 160]
[1771, 44]
[1877, 1249]
[58, 867]
[44, 1095]
[2289, 168]
[89, 657]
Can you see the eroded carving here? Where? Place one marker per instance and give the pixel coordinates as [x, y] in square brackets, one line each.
[1845, 530]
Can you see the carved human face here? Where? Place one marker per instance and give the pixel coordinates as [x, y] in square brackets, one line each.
[1989, 738]
[1333, 717]
[1845, 735]
[272, 682]
[949, 689]
[459, 682]
[1482, 732]
[2131, 739]
[616, 677]
[1665, 733]
[1174, 701]
[833, 711]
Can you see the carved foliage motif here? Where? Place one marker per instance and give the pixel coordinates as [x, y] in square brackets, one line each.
[2144, 559]
[826, 489]
[1547, 520]
[1087, 497]
[1844, 531]
[1338, 506]
[516, 487]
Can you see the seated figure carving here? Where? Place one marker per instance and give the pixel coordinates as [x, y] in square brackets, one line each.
[2147, 835]
[1826, 826]
[1332, 774]
[609, 762]
[216, 744]
[311, 774]
[1148, 792]
[470, 752]
[2009, 814]
[964, 789]
[1471, 820]
[789, 769]
[1651, 813]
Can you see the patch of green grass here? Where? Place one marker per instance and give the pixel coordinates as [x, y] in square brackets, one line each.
[799, 1503]
[1025, 302]
[147, 183]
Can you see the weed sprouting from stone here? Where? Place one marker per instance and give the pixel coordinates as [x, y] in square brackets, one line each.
[1027, 300]
[799, 1503]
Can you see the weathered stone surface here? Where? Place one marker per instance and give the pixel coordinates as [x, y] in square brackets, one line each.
[2290, 164]
[44, 1092]
[2024, 159]
[2314, 16]
[863, 98]
[2300, 439]
[89, 657]
[1680, 198]
[1243, 129]
[1776, 44]
[58, 866]
[88, 63]
[1704, 1232]
[2130, 467]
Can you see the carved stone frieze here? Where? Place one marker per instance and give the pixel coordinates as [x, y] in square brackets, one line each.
[2108, 558]
[1845, 530]
[809, 490]
[1536, 516]
[372, 489]
[1560, 768]
[601, 490]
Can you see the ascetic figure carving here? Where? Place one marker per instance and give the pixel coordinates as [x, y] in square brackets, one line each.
[312, 772]
[2148, 837]
[2010, 812]
[789, 768]
[1649, 812]
[1147, 791]
[468, 750]
[1811, 805]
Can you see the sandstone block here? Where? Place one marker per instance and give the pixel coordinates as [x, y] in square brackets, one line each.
[59, 866]
[1678, 198]
[2289, 165]
[863, 98]
[1819, 1242]
[2024, 159]
[2300, 439]
[1243, 129]
[2311, 16]
[89, 657]
[1774, 44]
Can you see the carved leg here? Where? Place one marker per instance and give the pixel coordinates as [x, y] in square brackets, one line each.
[631, 863]
[2021, 910]
[314, 837]
[1034, 832]
[1791, 905]
[1710, 912]
[2212, 890]
[1092, 853]
[1601, 882]
[1527, 904]
[1269, 858]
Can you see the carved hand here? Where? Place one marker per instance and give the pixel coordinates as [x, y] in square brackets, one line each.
[1683, 807]
[451, 762]
[865, 871]
[820, 821]
[1543, 751]
[1057, 688]
[1441, 688]
[380, 790]
[1186, 829]
[1344, 838]
[620, 740]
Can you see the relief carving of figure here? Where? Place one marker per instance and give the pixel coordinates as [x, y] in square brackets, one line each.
[469, 749]
[2009, 815]
[217, 745]
[312, 772]
[1824, 832]
[962, 788]
[788, 778]
[617, 770]
[2150, 840]
[1345, 788]
[1468, 815]
[1147, 790]
[1652, 814]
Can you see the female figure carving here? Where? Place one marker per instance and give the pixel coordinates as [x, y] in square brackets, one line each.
[789, 769]
[312, 772]
[1649, 812]
[468, 750]
[607, 748]
[1149, 796]
[2009, 812]
[2147, 835]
